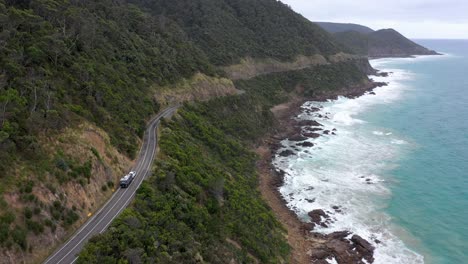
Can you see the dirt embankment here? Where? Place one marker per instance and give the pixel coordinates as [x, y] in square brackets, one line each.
[198, 88]
[307, 246]
[85, 143]
[249, 67]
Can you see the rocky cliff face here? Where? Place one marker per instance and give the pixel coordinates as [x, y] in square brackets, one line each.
[364, 66]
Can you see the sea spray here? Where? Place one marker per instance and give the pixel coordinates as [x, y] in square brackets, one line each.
[344, 172]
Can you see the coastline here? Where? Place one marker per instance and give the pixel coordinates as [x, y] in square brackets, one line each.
[307, 246]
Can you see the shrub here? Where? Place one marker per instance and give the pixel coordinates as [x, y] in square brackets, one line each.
[28, 213]
[19, 237]
[34, 226]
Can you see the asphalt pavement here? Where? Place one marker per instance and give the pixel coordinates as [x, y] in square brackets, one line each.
[98, 223]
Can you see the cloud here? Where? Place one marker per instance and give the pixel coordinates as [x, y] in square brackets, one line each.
[414, 18]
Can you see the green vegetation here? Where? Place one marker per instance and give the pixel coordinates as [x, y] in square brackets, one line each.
[343, 27]
[272, 89]
[356, 41]
[65, 63]
[60, 60]
[228, 30]
[381, 43]
[203, 192]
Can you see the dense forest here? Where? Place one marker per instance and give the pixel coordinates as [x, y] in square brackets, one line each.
[228, 30]
[200, 204]
[65, 60]
[202, 199]
[93, 59]
[68, 63]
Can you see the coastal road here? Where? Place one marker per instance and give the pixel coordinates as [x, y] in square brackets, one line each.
[97, 224]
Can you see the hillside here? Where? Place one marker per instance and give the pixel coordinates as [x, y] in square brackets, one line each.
[229, 30]
[202, 203]
[376, 44]
[342, 27]
[390, 43]
[78, 80]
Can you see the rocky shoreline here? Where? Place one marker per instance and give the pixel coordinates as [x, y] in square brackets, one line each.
[308, 246]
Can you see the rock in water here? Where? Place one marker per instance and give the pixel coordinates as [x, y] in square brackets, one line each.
[345, 251]
[316, 216]
[311, 135]
[297, 137]
[306, 144]
[363, 247]
[308, 123]
[286, 153]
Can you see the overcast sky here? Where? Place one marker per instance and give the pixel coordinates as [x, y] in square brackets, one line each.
[412, 18]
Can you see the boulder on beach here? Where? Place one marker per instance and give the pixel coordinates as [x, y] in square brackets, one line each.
[344, 250]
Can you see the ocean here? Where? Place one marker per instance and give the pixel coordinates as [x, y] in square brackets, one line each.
[397, 166]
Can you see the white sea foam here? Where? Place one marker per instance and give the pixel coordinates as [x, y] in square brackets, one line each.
[348, 170]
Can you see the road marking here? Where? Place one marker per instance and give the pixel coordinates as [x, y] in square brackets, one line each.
[110, 209]
[153, 151]
[92, 228]
[154, 123]
[83, 227]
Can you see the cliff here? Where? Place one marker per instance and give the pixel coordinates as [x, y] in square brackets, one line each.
[375, 44]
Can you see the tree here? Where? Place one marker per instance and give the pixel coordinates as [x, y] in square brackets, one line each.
[10, 103]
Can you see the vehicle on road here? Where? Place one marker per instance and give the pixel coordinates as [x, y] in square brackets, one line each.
[127, 179]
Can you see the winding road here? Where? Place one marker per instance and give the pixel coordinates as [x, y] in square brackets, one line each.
[97, 224]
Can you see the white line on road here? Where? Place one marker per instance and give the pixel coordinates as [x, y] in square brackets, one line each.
[148, 132]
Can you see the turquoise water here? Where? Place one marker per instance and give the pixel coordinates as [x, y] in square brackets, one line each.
[397, 164]
[430, 198]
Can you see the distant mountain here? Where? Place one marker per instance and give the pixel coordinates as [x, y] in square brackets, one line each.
[390, 43]
[342, 27]
[381, 43]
